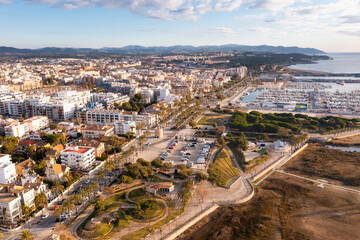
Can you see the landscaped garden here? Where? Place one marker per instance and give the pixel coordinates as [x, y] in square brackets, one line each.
[223, 169]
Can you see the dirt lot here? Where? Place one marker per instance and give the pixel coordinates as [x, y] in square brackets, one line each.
[350, 141]
[319, 161]
[284, 208]
[209, 119]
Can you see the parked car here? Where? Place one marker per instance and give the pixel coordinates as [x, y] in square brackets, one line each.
[87, 181]
[46, 215]
[188, 154]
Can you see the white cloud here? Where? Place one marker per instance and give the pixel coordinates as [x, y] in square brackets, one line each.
[5, 2]
[271, 4]
[223, 30]
[260, 29]
[159, 9]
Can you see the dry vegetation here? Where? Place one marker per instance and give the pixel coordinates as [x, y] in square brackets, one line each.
[347, 142]
[284, 208]
[319, 161]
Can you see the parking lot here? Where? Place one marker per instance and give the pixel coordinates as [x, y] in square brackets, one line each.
[187, 153]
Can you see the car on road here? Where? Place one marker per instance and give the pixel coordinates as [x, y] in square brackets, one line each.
[87, 181]
[46, 215]
[107, 177]
[147, 144]
[171, 147]
[188, 154]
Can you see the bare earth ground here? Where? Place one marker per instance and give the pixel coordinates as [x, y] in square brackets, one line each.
[284, 208]
[319, 161]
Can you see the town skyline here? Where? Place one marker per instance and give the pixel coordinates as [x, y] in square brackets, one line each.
[331, 26]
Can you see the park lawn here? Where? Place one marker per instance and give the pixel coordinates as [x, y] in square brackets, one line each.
[223, 169]
[210, 119]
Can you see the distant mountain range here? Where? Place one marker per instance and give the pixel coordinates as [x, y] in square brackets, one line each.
[178, 49]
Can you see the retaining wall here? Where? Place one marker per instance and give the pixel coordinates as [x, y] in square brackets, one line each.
[190, 223]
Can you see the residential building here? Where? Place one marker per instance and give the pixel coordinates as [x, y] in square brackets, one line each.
[7, 169]
[123, 127]
[99, 146]
[54, 171]
[94, 131]
[17, 130]
[78, 157]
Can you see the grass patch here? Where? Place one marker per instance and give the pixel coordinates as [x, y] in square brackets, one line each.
[262, 151]
[139, 192]
[223, 169]
[210, 119]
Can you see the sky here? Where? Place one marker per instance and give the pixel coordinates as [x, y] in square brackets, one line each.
[331, 26]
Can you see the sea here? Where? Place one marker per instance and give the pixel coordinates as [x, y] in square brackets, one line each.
[341, 63]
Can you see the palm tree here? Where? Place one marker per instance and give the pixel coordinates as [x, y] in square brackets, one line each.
[147, 133]
[60, 210]
[88, 190]
[75, 199]
[109, 166]
[57, 188]
[140, 126]
[94, 185]
[142, 140]
[27, 235]
[68, 204]
[68, 176]
[100, 175]
[41, 201]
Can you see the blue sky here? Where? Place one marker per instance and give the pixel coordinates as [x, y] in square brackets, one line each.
[332, 26]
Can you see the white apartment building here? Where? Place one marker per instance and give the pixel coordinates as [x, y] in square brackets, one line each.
[123, 127]
[10, 204]
[18, 129]
[7, 169]
[57, 112]
[78, 157]
[102, 117]
[16, 108]
[37, 123]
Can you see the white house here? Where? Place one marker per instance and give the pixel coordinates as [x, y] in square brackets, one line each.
[123, 127]
[17, 130]
[7, 170]
[78, 157]
[280, 146]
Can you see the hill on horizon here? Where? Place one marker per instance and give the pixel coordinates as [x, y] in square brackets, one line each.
[177, 49]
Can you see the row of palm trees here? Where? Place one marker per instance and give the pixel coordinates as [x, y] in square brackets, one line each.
[75, 200]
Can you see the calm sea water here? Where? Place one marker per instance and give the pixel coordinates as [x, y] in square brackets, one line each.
[341, 63]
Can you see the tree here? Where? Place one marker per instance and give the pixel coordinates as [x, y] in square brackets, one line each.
[99, 175]
[58, 212]
[26, 210]
[192, 124]
[95, 186]
[27, 235]
[242, 142]
[157, 162]
[68, 176]
[126, 179]
[75, 199]
[99, 205]
[143, 162]
[199, 176]
[57, 188]
[221, 142]
[109, 166]
[167, 165]
[41, 200]
[68, 204]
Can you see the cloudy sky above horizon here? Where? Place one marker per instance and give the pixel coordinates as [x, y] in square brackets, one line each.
[332, 25]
